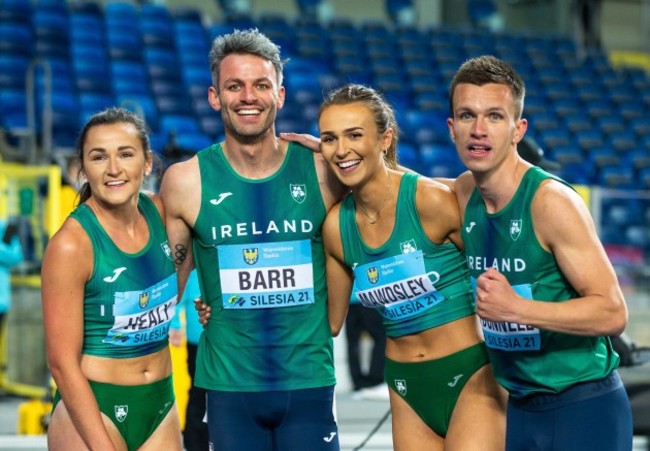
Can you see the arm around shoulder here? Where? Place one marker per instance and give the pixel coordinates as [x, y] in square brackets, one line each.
[339, 275]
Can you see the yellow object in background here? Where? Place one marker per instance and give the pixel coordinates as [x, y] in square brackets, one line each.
[181, 378]
[33, 416]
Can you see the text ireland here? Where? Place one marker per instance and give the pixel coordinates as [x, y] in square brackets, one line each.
[268, 228]
[504, 265]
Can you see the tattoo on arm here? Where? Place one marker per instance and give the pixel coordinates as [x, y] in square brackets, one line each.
[180, 254]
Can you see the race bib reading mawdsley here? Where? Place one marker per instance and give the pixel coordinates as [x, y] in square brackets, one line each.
[398, 287]
[266, 275]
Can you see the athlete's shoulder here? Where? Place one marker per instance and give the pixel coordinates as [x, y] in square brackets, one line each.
[179, 179]
[70, 243]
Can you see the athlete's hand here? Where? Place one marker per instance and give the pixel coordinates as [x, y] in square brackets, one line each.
[175, 337]
[307, 140]
[495, 298]
[204, 311]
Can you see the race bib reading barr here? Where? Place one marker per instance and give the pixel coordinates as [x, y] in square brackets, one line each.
[266, 275]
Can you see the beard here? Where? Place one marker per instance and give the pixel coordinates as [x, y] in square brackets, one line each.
[248, 133]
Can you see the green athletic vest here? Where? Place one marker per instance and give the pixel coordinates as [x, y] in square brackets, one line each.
[525, 359]
[129, 300]
[260, 260]
[413, 283]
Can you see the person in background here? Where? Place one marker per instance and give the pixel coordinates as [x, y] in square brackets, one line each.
[109, 289]
[394, 244]
[530, 151]
[359, 321]
[248, 212]
[546, 293]
[11, 254]
[195, 434]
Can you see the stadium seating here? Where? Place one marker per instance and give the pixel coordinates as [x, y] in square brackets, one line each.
[587, 115]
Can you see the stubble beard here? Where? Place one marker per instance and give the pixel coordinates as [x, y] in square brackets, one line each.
[245, 134]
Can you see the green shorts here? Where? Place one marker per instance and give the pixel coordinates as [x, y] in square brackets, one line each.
[136, 410]
[432, 388]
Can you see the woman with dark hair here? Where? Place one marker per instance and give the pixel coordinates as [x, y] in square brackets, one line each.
[109, 292]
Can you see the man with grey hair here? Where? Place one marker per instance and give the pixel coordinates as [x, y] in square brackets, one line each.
[248, 213]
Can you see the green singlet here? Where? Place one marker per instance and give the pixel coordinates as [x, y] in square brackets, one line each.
[129, 301]
[525, 359]
[413, 283]
[261, 267]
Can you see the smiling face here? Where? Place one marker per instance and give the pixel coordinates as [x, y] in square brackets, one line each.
[351, 143]
[248, 96]
[115, 163]
[484, 125]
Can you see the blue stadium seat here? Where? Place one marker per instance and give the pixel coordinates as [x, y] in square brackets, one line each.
[193, 141]
[566, 154]
[87, 30]
[423, 127]
[157, 33]
[638, 159]
[16, 11]
[191, 37]
[129, 77]
[581, 172]
[124, 41]
[623, 141]
[644, 178]
[86, 7]
[16, 39]
[611, 124]
[578, 122]
[564, 106]
[212, 125]
[65, 118]
[13, 108]
[589, 139]
[121, 11]
[632, 109]
[62, 78]
[604, 157]
[641, 125]
[618, 176]
[179, 123]
[13, 70]
[141, 103]
[51, 25]
[408, 155]
[185, 13]
[555, 137]
[91, 103]
[598, 107]
[162, 64]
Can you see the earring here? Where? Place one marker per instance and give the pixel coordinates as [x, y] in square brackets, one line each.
[385, 151]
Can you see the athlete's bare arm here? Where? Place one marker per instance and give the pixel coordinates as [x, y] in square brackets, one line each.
[563, 226]
[67, 266]
[339, 276]
[180, 191]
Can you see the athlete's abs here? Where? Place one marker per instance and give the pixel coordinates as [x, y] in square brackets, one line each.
[129, 371]
[435, 342]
